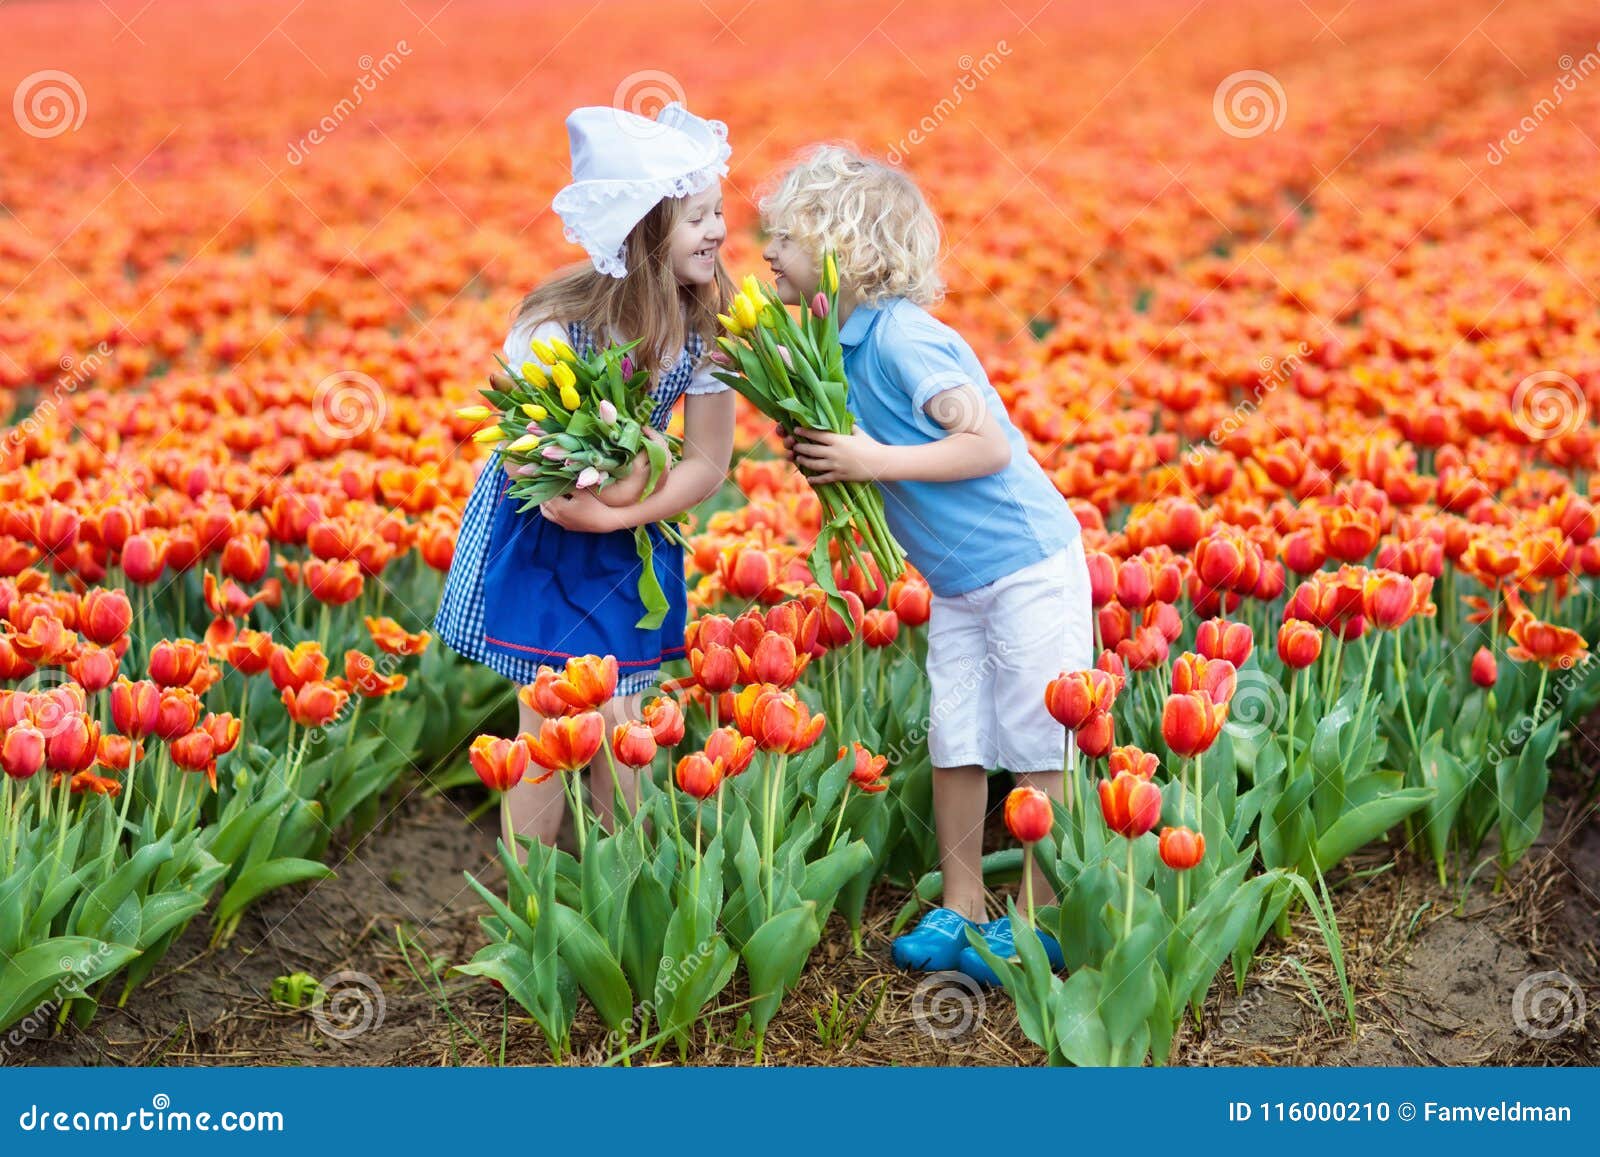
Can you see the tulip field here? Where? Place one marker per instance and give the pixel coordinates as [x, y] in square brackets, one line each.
[1299, 311]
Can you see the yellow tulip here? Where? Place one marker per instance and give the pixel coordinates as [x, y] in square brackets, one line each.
[485, 437]
[830, 274]
[729, 324]
[745, 311]
[543, 352]
[523, 444]
[534, 373]
[752, 287]
[563, 377]
[563, 350]
[570, 398]
[474, 413]
[535, 411]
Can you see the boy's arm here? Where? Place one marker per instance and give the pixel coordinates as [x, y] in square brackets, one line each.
[974, 446]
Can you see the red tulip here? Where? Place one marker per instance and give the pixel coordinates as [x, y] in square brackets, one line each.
[1130, 806]
[1097, 734]
[867, 769]
[1220, 639]
[1191, 722]
[1485, 671]
[567, 743]
[22, 753]
[732, 750]
[1180, 848]
[1028, 814]
[911, 599]
[1299, 643]
[1133, 761]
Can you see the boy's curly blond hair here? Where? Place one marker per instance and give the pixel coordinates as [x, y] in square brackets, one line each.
[871, 215]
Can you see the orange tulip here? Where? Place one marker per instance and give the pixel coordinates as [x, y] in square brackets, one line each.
[698, 775]
[633, 744]
[73, 744]
[567, 743]
[500, 763]
[665, 719]
[1220, 639]
[334, 583]
[1130, 806]
[541, 696]
[1546, 644]
[1216, 678]
[389, 636]
[866, 770]
[1028, 814]
[911, 599]
[777, 720]
[775, 661]
[732, 750]
[879, 628]
[588, 682]
[1133, 761]
[315, 703]
[104, 615]
[1074, 696]
[291, 670]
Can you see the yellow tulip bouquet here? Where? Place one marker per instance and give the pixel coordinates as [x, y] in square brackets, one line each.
[792, 370]
[577, 427]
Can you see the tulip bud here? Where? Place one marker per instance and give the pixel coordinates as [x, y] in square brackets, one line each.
[1028, 815]
[535, 411]
[474, 413]
[1180, 848]
[1485, 671]
[534, 374]
[819, 306]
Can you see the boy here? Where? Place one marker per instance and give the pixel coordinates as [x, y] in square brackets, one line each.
[980, 519]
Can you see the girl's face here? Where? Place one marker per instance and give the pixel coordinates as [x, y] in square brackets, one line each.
[794, 270]
[697, 237]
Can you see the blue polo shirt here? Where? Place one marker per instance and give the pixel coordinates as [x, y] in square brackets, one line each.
[960, 535]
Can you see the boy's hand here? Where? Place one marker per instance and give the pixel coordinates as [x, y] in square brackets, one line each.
[582, 511]
[829, 457]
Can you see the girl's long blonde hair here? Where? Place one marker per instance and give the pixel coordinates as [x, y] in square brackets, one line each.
[648, 304]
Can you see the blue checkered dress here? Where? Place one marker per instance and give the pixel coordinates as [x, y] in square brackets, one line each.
[460, 618]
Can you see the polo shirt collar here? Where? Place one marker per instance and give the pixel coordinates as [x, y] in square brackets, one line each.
[858, 325]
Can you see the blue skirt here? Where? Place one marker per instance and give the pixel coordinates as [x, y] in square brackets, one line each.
[523, 591]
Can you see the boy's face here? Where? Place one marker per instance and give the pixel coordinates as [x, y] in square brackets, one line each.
[794, 270]
[698, 236]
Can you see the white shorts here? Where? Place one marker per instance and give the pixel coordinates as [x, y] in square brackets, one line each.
[992, 652]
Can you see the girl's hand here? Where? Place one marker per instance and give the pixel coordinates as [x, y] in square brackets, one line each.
[830, 457]
[582, 511]
[628, 489]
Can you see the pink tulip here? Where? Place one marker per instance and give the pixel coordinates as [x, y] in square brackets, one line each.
[553, 453]
[783, 352]
[819, 306]
[627, 366]
[608, 412]
[588, 478]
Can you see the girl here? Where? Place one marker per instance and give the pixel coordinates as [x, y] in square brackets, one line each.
[975, 513]
[537, 588]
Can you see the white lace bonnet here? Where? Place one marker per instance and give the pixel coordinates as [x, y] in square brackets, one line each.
[623, 164]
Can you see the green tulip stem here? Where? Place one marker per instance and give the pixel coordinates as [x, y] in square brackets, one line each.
[1127, 914]
[1538, 708]
[1405, 701]
[1199, 792]
[1027, 881]
[843, 800]
[766, 832]
[1294, 683]
[1182, 876]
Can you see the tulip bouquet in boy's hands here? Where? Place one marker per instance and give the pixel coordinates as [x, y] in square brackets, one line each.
[582, 426]
[792, 370]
